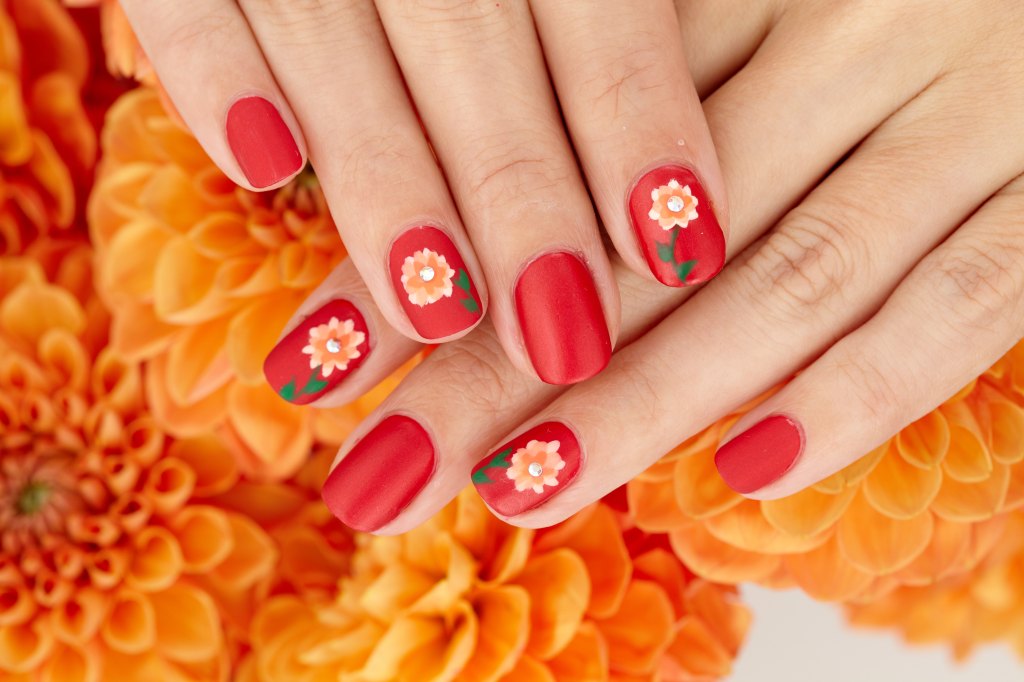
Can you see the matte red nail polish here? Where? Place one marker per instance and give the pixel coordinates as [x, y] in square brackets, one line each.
[529, 470]
[381, 474]
[676, 226]
[761, 454]
[319, 353]
[561, 319]
[433, 283]
[261, 142]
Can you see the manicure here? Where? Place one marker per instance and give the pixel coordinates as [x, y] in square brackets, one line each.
[676, 227]
[528, 470]
[760, 455]
[433, 283]
[381, 474]
[319, 353]
[261, 142]
[561, 319]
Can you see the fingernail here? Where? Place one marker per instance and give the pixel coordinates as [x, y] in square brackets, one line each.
[319, 353]
[261, 142]
[529, 470]
[561, 319]
[381, 474]
[433, 283]
[676, 227]
[761, 454]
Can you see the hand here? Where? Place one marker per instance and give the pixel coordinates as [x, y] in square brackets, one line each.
[262, 84]
[889, 286]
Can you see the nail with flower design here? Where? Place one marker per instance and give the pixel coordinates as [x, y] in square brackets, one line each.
[528, 470]
[433, 283]
[319, 353]
[676, 227]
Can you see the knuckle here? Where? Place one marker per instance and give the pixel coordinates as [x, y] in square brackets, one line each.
[878, 393]
[506, 171]
[619, 82]
[977, 281]
[805, 265]
[477, 364]
[198, 32]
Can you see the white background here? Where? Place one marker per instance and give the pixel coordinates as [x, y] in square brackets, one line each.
[795, 639]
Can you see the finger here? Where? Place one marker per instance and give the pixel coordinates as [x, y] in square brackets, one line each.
[478, 78]
[337, 346]
[959, 311]
[638, 127]
[828, 266]
[385, 190]
[213, 70]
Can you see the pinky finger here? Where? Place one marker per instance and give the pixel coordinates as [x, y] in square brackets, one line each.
[214, 71]
[954, 315]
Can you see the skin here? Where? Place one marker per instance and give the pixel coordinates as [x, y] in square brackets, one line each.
[505, 182]
[876, 246]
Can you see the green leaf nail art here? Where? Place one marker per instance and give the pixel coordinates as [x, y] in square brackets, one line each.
[288, 391]
[499, 461]
[462, 281]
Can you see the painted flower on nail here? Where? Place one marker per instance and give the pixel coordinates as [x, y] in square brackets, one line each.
[674, 204]
[536, 466]
[332, 345]
[427, 277]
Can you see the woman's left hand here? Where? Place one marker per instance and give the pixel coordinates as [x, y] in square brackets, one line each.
[892, 284]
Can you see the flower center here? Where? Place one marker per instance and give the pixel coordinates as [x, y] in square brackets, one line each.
[675, 204]
[33, 498]
[333, 346]
[535, 469]
[426, 273]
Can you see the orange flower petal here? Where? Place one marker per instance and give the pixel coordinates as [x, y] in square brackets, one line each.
[746, 528]
[878, 544]
[215, 469]
[71, 664]
[204, 536]
[958, 501]
[253, 332]
[157, 561]
[652, 505]
[529, 669]
[30, 311]
[596, 537]
[560, 591]
[900, 489]
[641, 630]
[585, 658]
[699, 489]
[188, 628]
[130, 626]
[824, 574]
[80, 618]
[968, 460]
[183, 283]
[713, 559]
[252, 557]
[695, 653]
[504, 614]
[196, 362]
[943, 555]
[24, 648]
[853, 474]
[275, 432]
[925, 442]
[807, 513]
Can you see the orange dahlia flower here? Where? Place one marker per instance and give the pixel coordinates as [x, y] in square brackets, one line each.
[467, 597]
[114, 563]
[926, 505]
[47, 144]
[982, 606]
[200, 277]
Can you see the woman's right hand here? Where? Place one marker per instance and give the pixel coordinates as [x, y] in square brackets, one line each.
[264, 84]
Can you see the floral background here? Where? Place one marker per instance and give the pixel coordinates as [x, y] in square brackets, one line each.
[160, 515]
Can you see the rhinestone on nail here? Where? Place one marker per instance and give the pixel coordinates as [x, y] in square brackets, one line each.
[535, 469]
[333, 346]
[675, 204]
[426, 273]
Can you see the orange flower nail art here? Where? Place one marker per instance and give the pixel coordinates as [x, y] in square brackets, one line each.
[536, 466]
[333, 345]
[674, 205]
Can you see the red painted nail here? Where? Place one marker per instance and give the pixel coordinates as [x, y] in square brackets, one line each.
[381, 474]
[529, 470]
[761, 454]
[676, 226]
[561, 318]
[433, 283]
[261, 142]
[318, 354]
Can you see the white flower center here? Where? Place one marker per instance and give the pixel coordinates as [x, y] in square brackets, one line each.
[426, 273]
[333, 346]
[535, 469]
[675, 204]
